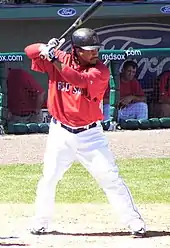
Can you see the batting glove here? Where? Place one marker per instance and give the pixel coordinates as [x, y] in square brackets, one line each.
[56, 42]
[53, 42]
[48, 52]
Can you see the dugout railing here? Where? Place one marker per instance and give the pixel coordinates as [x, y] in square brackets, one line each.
[151, 63]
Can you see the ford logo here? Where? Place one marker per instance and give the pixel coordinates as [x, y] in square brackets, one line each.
[66, 12]
[165, 9]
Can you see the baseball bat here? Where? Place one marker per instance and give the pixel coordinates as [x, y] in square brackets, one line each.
[83, 18]
[79, 21]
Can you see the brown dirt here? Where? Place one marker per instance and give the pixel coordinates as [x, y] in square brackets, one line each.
[85, 225]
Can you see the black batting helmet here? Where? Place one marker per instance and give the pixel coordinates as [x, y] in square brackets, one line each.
[86, 39]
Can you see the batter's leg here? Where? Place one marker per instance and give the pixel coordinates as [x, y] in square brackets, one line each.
[59, 156]
[95, 155]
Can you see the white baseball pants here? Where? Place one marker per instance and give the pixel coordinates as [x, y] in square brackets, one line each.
[91, 149]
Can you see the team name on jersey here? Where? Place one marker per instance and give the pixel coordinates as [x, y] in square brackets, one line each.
[66, 87]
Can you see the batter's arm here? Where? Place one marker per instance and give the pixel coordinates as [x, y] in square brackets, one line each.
[33, 52]
[95, 80]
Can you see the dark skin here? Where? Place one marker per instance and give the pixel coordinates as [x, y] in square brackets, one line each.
[127, 75]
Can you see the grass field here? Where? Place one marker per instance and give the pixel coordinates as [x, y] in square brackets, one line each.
[148, 180]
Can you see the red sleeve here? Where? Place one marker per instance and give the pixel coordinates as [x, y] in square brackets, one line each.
[32, 51]
[95, 80]
[38, 64]
[164, 88]
[136, 88]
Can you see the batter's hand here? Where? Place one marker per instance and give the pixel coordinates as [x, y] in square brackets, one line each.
[47, 52]
[53, 42]
[56, 42]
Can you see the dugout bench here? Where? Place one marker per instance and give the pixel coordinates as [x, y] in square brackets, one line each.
[158, 57]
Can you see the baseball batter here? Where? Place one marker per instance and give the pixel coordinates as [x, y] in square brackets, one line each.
[77, 83]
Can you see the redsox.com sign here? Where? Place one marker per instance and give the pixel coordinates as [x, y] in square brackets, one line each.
[120, 56]
[11, 57]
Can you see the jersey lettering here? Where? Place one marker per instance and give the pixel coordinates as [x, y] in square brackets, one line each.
[66, 87]
[77, 90]
[60, 85]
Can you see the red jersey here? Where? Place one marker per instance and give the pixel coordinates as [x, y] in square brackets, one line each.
[164, 85]
[74, 95]
[130, 88]
[22, 92]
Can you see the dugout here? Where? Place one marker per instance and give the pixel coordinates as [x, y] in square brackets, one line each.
[114, 60]
[150, 84]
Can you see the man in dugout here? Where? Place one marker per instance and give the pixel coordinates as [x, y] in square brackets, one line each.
[132, 103]
[25, 97]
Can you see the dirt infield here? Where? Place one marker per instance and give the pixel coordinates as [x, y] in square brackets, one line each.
[85, 225]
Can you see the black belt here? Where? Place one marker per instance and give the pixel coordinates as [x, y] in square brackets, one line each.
[75, 130]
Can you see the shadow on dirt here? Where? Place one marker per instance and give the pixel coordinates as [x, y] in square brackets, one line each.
[13, 244]
[149, 234]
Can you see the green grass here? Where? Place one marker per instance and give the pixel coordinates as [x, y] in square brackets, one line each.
[148, 180]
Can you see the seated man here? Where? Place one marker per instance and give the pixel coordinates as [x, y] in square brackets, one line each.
[25, 97]
[132, 103]
[163, 105]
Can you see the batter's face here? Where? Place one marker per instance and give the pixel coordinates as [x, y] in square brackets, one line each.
[129, 73]
[88, 57]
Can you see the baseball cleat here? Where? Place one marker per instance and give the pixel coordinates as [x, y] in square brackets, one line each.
[137, 228]
[39, 231]
[139, 234]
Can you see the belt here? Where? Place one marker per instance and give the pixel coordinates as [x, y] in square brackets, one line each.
[75, 130]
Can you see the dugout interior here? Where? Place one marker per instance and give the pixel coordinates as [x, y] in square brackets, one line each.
[151, 63]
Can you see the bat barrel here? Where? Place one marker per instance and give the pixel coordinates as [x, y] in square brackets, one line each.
[83, 17]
